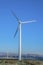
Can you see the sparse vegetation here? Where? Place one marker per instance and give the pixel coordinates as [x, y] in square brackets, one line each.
[23, 62]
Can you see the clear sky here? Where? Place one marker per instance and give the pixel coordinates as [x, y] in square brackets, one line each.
[32, 34]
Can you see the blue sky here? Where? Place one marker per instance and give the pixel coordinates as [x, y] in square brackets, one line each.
[32, 34]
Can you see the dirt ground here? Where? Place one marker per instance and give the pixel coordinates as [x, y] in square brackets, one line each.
[23, 62]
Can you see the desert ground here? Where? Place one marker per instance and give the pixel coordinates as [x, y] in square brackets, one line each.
[23, 62]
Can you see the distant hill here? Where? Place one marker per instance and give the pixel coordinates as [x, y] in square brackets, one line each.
[16, 56]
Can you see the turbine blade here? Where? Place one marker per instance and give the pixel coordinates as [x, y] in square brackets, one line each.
[16, 31]
[15, 16]
[29, 21]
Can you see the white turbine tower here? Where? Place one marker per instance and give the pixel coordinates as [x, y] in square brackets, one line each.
[19, 28]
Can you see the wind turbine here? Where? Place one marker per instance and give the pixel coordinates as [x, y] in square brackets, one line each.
[19, 29]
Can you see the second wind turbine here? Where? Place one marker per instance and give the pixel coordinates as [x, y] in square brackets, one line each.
[19, 28]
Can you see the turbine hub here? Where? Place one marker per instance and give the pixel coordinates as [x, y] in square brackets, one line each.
[20, 22]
